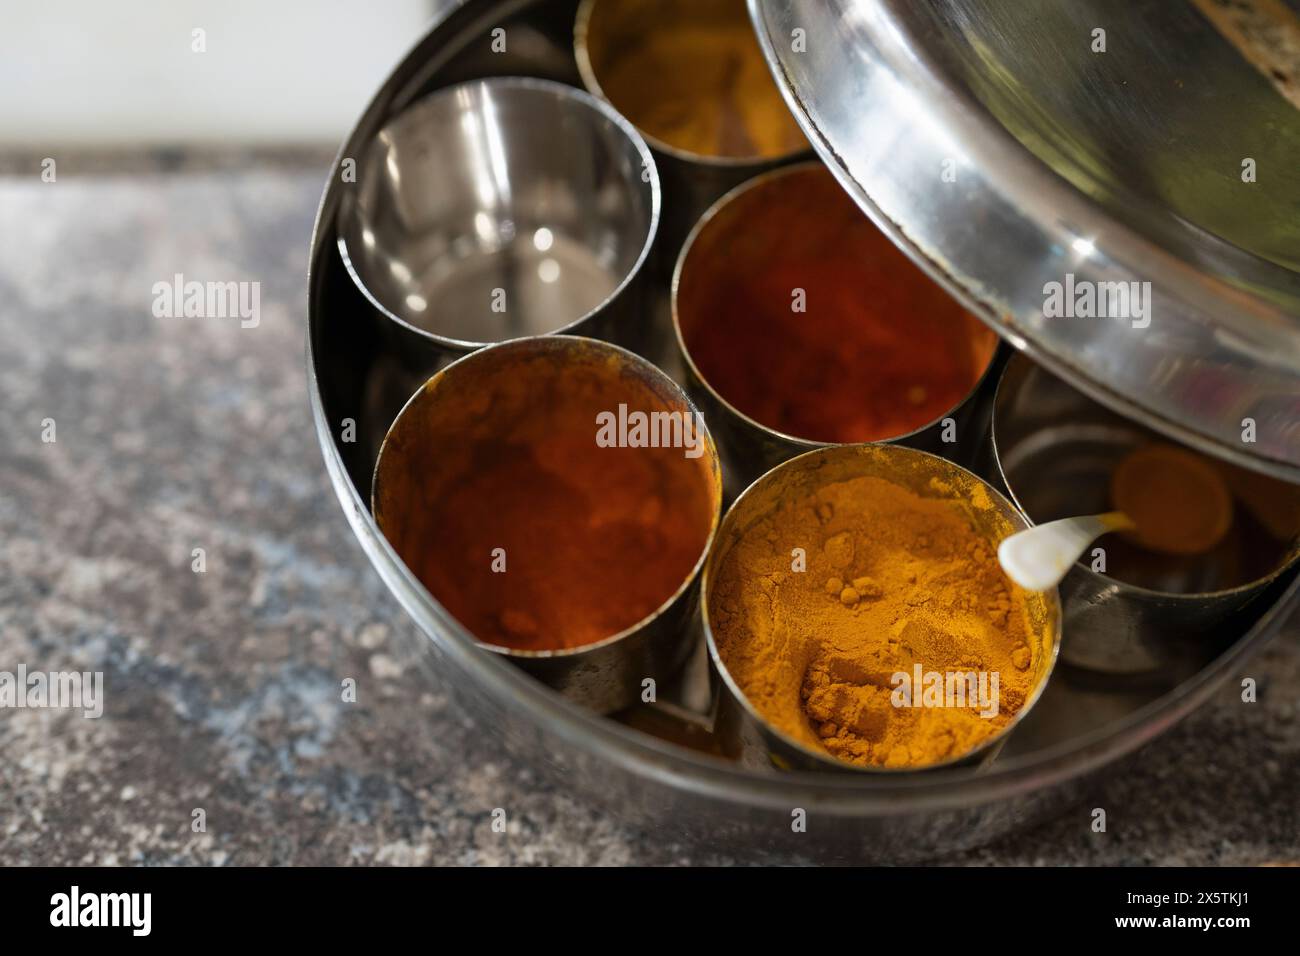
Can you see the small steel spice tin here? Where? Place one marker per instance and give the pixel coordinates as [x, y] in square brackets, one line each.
[502, 208]
[744, 731]
[486, 408]
[693, 177]
[1053, 449]
[747, 232]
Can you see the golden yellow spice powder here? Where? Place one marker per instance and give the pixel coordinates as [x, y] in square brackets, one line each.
[895, 583]
[690, 74]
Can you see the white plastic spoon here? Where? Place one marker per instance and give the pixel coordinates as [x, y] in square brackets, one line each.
[1039, 557]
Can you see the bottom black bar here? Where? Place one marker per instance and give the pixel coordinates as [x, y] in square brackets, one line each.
[331, 906]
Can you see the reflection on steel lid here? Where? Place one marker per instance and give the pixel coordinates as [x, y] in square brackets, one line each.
[1111, 183]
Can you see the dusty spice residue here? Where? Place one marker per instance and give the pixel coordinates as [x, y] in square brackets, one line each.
[893, 579]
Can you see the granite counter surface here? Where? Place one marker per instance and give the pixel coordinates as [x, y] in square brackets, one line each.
[222, 687]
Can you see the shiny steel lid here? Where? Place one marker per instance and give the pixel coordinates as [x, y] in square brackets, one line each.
[1033, 156]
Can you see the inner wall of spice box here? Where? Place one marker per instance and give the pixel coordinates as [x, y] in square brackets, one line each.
[805, 320]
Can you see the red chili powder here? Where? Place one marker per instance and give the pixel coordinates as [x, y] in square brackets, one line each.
[501, 452]
[881, 349]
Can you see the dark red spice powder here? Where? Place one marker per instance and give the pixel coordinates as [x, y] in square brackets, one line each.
[500, 452]
[881, 349]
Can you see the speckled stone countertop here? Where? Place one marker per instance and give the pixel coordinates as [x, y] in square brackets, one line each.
[222, 688]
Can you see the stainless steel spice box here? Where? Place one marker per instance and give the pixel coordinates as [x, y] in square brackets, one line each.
[885, 89]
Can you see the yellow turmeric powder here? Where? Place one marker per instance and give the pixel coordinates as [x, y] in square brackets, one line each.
[690, 74]
[895, 583]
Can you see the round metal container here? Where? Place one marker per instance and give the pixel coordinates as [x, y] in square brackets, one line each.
[1053, 452]
[1074, 732]
[551, 239]
[745, 731]
[603, 675]
[750, 447]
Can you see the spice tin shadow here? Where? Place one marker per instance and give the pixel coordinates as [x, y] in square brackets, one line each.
[502, 208]
[1054, 450]
[748, 234]
[494, 487]
[750, 737]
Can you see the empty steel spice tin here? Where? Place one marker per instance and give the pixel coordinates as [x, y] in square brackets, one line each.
[503, 208]
[691, 76]
[557, 495]
[859, 620]
[803, 325]
[1131, 609]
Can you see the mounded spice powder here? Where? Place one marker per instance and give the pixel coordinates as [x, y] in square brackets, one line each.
[805, 317]
[690, 74]
[893, 580]
[494, 491]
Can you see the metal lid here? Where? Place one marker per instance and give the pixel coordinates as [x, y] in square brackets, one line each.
[1034, 157]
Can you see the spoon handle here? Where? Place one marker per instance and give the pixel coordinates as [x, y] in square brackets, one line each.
[1039, 557]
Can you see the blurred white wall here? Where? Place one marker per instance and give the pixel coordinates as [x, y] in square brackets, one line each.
[119, 72]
